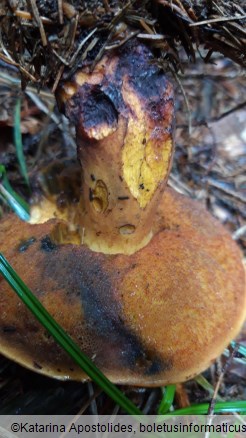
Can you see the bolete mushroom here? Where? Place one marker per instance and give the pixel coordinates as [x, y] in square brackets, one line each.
[148, 284]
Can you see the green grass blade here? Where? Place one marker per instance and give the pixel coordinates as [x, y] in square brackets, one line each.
[63, 339]
[220, 408]
[18, 141]
[200, 380]
[15, 201]
[167, 400]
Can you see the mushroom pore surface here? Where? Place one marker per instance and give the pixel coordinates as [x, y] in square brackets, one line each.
[148, 284]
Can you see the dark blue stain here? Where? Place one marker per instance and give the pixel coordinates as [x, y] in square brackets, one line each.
[96, 107]
[25, 244]
[103, 316]
[47, 244]
[148, 83]
[113, 92]
[84, 275]
[137, 62]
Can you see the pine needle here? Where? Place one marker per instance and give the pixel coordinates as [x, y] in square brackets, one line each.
[63, 339]
[18, 141]
[15, 201]
[220, 408]
[167, 400]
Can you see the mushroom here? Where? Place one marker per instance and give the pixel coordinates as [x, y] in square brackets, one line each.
[147, 282]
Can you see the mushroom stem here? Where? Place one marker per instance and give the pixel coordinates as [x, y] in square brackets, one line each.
[123, 113]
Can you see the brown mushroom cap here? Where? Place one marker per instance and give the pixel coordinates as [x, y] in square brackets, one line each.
[158, 316]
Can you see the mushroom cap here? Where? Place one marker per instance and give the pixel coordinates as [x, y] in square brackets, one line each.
[158, 316]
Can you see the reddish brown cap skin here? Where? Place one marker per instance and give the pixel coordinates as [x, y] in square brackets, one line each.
[159, 316]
